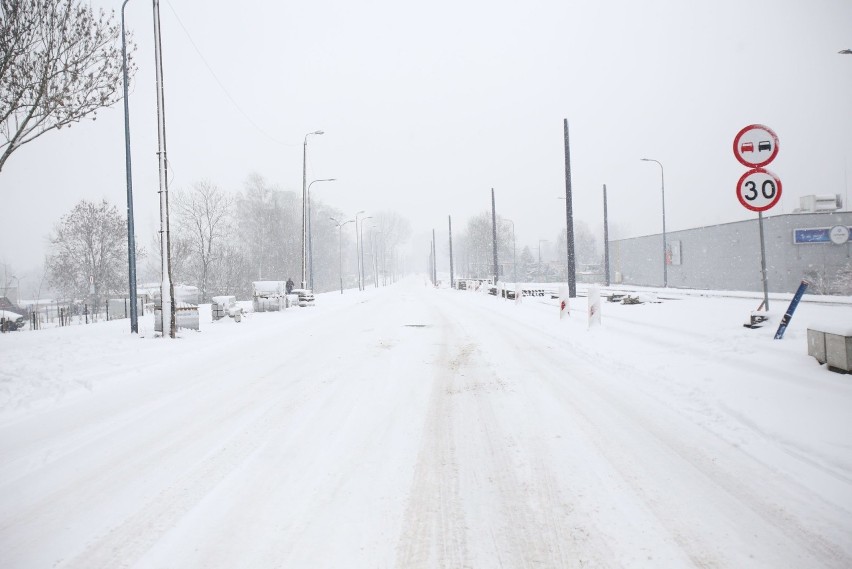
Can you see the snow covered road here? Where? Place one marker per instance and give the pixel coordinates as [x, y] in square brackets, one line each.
[413, 427]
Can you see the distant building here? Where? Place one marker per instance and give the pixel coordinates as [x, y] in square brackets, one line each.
[812, 246]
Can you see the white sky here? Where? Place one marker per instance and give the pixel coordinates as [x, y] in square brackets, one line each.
[425, 108]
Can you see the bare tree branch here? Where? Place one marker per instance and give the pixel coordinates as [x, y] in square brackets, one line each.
[59, 63]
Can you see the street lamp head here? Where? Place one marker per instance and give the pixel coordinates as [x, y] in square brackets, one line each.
[318, 132]
[646, 160]
[845, 51]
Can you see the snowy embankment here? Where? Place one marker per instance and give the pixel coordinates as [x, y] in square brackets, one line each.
[414, 427]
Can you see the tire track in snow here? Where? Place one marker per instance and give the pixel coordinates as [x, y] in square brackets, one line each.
[434, 532]
[632, 429]
[493, 480]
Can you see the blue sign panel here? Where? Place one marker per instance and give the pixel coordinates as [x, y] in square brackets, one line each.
[816, 235]
[812, 235]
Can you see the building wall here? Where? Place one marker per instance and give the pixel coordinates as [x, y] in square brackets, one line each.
[727, 256]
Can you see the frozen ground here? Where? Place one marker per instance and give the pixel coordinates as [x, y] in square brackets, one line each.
[413, 427]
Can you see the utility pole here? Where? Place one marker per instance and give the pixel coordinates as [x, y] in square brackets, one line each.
[131, 237]
[434, 260]
[569, 216]
[606, 240]
[431, 262]
[494, 234]
[450, 217]
[167, 290]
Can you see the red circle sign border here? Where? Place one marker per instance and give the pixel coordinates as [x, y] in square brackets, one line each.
[744, 162]
[777, 193]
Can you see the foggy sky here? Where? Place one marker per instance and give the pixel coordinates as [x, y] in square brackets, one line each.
[426, 107]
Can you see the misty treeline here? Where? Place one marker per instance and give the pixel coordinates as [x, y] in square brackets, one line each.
[473, 252]
[220, 242]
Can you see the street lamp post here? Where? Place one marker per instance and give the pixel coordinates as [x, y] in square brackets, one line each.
[310, 231]
[305, 209]
[340, 246]
[363, 274]
[663, 191]
[131, 239]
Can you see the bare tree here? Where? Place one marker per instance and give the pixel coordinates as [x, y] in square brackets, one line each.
[476, 246]
[59, 63]
[88, 252]
[203, 217]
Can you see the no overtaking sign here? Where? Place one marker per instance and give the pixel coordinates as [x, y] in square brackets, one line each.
[755, 146]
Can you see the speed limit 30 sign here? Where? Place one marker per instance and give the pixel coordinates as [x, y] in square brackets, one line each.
[759, 189]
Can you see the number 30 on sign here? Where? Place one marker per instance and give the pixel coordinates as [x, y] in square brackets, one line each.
[759, 189]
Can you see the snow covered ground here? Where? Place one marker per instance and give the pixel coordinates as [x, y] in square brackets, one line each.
[409, 426]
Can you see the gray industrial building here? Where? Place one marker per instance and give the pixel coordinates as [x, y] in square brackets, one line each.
[811, 246]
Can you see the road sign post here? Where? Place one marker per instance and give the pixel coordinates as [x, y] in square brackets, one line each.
[758, 189]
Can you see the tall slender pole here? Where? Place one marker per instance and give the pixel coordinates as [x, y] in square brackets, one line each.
[663, 193]
[340, 247]
[450, 218]
[665, 242]
[763, 263]
[432, 262]
[131, 238]
[569, 220]
[434, 259]
[305, 216]
[494, 234]
[363, 270]
[166, 286]
[606, 240]
[340, 254]
[310, 242]
[310, 233]
[305, 208]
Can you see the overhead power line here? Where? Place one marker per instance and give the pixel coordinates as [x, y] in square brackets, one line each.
[222, 85]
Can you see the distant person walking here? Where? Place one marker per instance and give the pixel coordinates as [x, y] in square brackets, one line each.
[289, 285]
